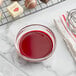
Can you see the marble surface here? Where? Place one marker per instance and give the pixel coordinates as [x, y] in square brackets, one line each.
[60, 64]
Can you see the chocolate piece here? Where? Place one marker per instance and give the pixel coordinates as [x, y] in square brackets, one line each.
[15, 9]
[44, 1]
[1, 1]
[15, 0]
[30, 4]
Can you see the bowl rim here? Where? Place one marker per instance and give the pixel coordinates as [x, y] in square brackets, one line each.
[38, 59]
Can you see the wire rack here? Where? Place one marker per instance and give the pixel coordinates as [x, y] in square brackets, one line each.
[7, 18]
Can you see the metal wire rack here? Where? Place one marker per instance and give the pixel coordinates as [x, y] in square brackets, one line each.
[7, 18]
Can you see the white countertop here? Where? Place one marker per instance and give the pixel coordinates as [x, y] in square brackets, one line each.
[60, 64]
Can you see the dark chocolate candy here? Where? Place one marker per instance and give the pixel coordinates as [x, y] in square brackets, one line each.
[15, 0]
[44, 1]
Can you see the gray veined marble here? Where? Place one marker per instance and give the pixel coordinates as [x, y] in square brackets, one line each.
[60, 64]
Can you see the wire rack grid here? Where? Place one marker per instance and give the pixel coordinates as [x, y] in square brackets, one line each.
[7, 18]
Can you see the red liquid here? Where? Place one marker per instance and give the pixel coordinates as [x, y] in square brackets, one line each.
[35, 44]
